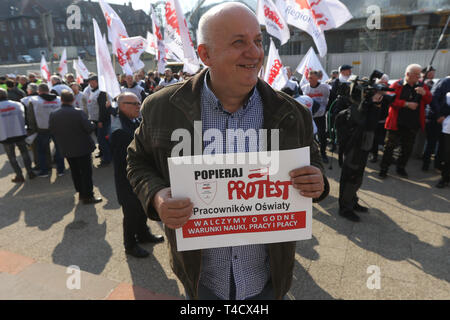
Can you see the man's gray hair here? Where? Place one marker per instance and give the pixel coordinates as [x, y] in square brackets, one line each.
[57, 79]
[33, 87]
[413, 66]
[123, 95]
[204, 24]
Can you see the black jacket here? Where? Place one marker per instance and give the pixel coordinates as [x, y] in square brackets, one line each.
[72, 131]
[122, 133]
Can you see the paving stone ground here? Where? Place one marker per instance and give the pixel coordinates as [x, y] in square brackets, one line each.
[405, 238]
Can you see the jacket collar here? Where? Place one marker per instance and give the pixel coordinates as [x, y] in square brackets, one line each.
[188, 99]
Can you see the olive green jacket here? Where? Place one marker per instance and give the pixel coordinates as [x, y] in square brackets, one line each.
[178, 106]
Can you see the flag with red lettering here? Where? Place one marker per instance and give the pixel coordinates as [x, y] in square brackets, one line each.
[45, 71]
[310, 62]
[269, 16]
[276, 74]
[116, 31]
[62, 68]
[299, 13]
[177, 38]
[134, 48]
[314, 17]
[107, 80]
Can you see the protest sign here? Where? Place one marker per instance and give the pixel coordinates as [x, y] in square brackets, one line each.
[240, 204]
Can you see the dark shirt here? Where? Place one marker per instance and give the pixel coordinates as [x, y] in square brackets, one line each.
[408, 118]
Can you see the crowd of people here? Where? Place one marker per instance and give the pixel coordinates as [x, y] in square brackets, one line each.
[420, 104]
[34, 112]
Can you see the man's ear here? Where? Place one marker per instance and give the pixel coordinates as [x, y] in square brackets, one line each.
[204, 54]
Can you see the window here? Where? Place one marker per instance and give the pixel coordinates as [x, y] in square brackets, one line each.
[23, 40]
[33, 24]
[2, 26]
[6, 41]
[36, 40]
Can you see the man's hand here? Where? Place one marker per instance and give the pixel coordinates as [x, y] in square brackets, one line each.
[108, 104]
[309, 180]
[100, 125]
[440, 120]
[421, 91]
[174, 213]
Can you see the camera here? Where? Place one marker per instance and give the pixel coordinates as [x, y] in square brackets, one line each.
[365, 89]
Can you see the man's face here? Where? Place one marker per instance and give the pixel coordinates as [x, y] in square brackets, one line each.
[70, 79]
[129, 79]
[235, 53]
[413, 76]
[32, 78]
[93, 83]
[23, 80]
[168, 74]
[313, 79]
[346, 73]
[130, 106]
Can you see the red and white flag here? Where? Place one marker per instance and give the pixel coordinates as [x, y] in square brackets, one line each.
[116, 31]
[152, 44]
[62, 69]
[134, 47]
[80, 70]
[276, 74]
[107, 80]
[153, 37]
[314, 17]
[45, 71]
[177, 38]
[310, 62]
[269, 16]
[300, 14]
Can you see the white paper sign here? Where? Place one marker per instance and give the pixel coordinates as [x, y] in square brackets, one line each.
[241, 204]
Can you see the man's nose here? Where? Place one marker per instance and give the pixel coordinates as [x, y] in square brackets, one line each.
[253, 50]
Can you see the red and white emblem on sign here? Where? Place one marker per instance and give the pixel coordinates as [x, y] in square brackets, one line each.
[206, 191]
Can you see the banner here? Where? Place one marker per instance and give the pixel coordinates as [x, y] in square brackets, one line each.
[241, 204]
[81, 71]
[310, 62]
[62, 69]
[134, 47]
[276, 75]
[45, 71]
[269, 16]
[177, 38]
[116, 31]
[107, 80]
[300, 14]
[314, 17]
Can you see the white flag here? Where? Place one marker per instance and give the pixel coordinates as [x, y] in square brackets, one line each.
[330, 14]
[80, 70]
[83, 70]
[134, 47]
[152, 44]
[310, 62]
[62, 69]
[276, 74]
[300, 14]
[177, 37]
[45, 71]
[162, 60]
[116, 31]
[107, 80]
[269, 16]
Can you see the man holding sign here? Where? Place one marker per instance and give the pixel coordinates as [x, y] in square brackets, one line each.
[226, 96]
